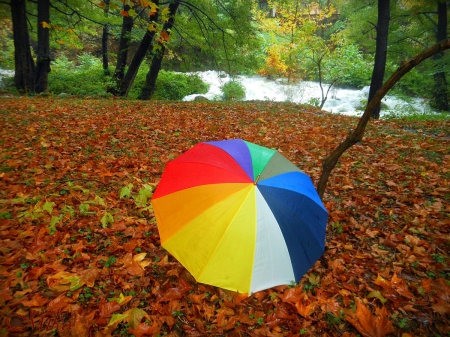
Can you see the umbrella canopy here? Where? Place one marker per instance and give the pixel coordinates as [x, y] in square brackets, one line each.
[239, 216]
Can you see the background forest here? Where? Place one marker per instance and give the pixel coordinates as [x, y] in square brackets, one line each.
[132, 48]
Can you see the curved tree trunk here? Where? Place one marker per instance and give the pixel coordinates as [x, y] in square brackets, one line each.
[380, 52]
[152, 75]
[24, 77]
[124, 44]
[43, 46]
[354, 137]
[146, 43]
[440, 92]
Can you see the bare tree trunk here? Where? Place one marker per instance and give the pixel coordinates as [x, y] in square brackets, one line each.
[354, 137]
[380, 52]
[43, 47]
[145, 45]
[152, 75]
[24, 77]
[440, 92]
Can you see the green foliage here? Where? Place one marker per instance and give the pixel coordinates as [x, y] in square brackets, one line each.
[349, 66]
[233, 91]
[314, 102]
[169, 85]
[411, 30]
[125, 191]
[414, 115]
[222, 37]
[107, 219]
[175, 86]
[85, 78]
[6, 45]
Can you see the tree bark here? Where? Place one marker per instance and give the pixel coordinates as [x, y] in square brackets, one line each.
[152, 75]
[124, 44]
[144, 46]
[380, 52]
[356, 135]
[24, 77]
[440, 92]
[43, 46]
[105, 35]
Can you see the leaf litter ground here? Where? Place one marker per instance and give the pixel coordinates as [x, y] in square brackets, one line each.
[80, 253]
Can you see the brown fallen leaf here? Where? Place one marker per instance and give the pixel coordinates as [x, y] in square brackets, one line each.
[368, 324]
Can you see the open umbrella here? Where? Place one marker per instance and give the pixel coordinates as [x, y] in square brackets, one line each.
[239, 216]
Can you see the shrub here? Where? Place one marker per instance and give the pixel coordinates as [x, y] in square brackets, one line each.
[89, 79]
[175, 86]
[350, 66]
[170, 85]
[86, 79]
[233, 91]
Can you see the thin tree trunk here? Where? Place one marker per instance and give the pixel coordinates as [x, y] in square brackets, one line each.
[105, 35]
[380, 52]
[144, 46]
[24, 77]
[124, 44]
[152, 75]
[354, 137]
[440, 92]
[43, 47]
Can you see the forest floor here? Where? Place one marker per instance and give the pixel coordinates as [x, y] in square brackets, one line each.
[79, 248]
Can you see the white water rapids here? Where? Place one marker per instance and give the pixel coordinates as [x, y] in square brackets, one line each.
[343, 101]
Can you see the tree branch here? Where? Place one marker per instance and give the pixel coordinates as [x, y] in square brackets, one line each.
[356, 135]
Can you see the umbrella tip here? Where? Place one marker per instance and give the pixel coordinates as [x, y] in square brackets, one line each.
[256, 180]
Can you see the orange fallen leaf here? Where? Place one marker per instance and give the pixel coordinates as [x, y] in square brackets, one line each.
[368, 324]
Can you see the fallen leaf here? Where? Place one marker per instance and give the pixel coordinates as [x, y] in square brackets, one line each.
[368, 324]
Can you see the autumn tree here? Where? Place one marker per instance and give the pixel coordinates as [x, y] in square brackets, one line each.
[289, 33]
[124, 44]
[222, 28]
[146, 43]
[158, 53]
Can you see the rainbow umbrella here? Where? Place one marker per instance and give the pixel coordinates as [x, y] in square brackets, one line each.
[239, 216]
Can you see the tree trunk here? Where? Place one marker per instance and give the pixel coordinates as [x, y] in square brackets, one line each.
[124, 44]
[24, 77]
[356, 135]
[380, 52]
[144, 46]
[105, 62]
[105, 35]
[152, 75]
[440, 92]
[43, 46]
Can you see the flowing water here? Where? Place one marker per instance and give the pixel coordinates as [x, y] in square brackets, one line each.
[343, 101]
